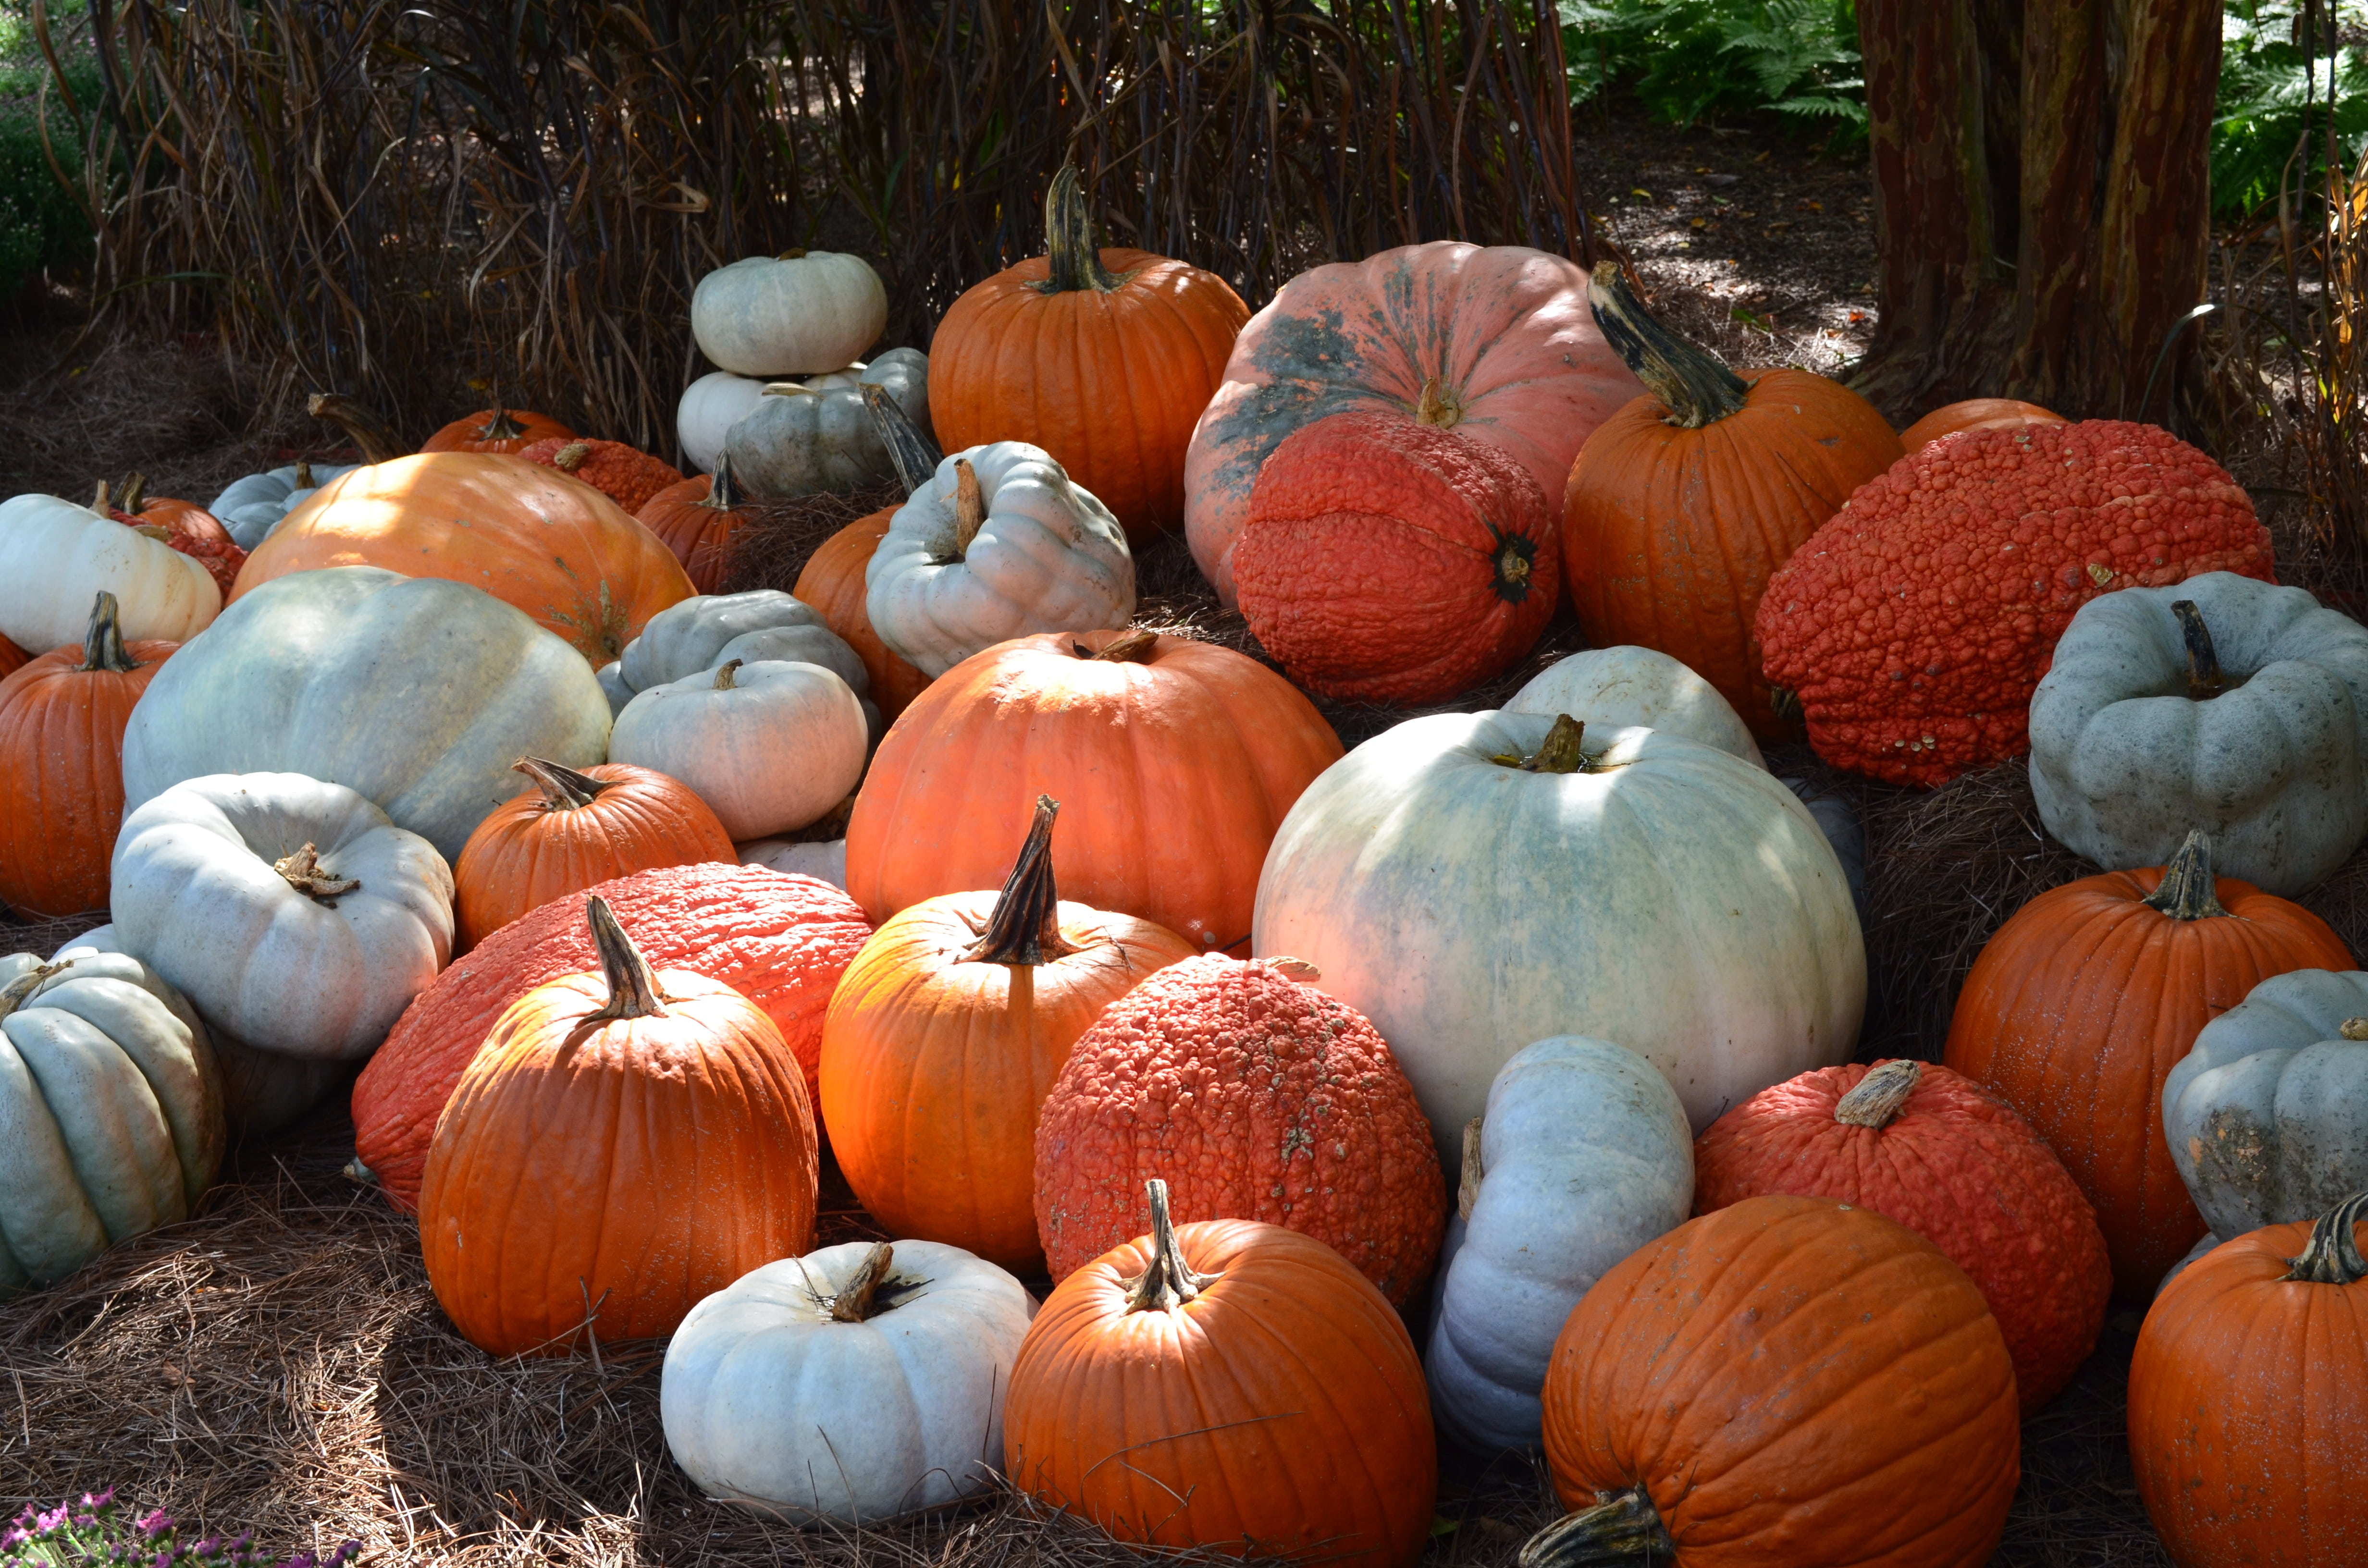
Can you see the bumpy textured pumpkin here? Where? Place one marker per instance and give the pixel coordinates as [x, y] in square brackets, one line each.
[1790, 1379]
[1584, 1156]
[574, 830]
[1119, 728]
[291, 911]
[298, 683]
[710, 406]
[113, 1106]
[797, 313]
[625, 1144]
[1913, 626]
[853, 1384]
[2225, 704]
[1613, 689]
[2246, 1397]
[1953, 1163]
[997, 545]
[1386, 560]
[251, 507]
[698, 518]
[62, 720]
[832, 582]
[816, 434]
[502, 431]
[1974, 413]
[625, 474]
[1103, 359]
[2079, 1007]
[770, 746]
[1230, 1385]
[57, 557]
[1262, 1098]
[946, 1034]
[1503, 331]
[1476, 881]
[565, 554]
[781, 941]
[1684, 502]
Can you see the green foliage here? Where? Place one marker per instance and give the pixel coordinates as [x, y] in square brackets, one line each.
[1687, 60]
[40, 223]
[2272, 93]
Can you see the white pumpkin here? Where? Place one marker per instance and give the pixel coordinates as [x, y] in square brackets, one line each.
[110, 1112]
[1613, 689]
[57, 557]
[825, 862]
[818, 434]
[2244, 716]
[853, 1384]
[250, 507]
[291, 911]
[798, 314]
[417, 692]
[770, 746]
[1583, 1157]
[997, 544]
[709, 408]
[1660, 893]
[709, 630]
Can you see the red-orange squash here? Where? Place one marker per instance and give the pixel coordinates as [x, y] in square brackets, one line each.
[575, 831]
[565, 554]
[627, 1143]
[502, 430]
[832, 582]
[625, 474]
[781, 941]
[13, 658]
[1681, 504]
[698, 517]
[2079, 1007]
[1174, 762]
[1974, 413]
[1228, 1385]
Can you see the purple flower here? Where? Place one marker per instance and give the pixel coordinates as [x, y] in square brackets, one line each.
[51, 1520]
[154, 1523]
[98, 1499]
[13, 1538]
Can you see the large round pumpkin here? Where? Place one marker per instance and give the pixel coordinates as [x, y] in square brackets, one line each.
[568, 556]
[2079, 1007]
[625, 1144]
[781, 941]
[1230, 1385]
[1173, 760]
[947, 1032]
[1682, 504]
[1103, 359]
[1503, 332]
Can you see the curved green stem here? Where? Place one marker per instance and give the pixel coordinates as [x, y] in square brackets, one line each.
[2331, 1256]
[1069, 250]
[1622, 1527]
[1692, 384]
[102, 642]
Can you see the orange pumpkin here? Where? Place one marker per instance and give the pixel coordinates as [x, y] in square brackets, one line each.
[575, 831]
[61, 721]
[13, 658]
[1681, 504]
[832, 582]
[1228, 1385]
[947, 1032]
[1104, 358]
[503, 430]
[1974, 413]
[627, 476]
[625, 1144]
[1174, 760]
[2079, 1007]
[698, 518]
[559, 550]
[1787, 1381]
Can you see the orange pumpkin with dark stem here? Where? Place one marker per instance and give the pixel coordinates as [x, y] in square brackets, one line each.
[698, 520]
[625, 1144]
[1228, 1385]
[1682, 504]
[1174, 762]
[61, 721]
[1104, 358]
[2079, 1007]
[2247, 1393]
[575, 831]
[947, 1032]
[627, 476]
[500, 430]
[832, 578]
[1788, 1380]
[1974, 413]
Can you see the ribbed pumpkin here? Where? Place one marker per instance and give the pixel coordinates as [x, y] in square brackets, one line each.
[698, 518]
[1682, 504]
[832, 579]
[1974, 413]
[1104, 358]
[1173, 760]
[626, 1143]
[625, 474]
[1228, 1385]
[498, 430]
[1788, 1380]
[781, 941]
[1387, 560]
[1263, 1098]
[1953, 1163]
[2247, 1394]
[61, 722]
[947, 1032]
[2079, 1007]
[575, 831]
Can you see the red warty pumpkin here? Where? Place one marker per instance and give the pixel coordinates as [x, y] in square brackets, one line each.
[627, 476]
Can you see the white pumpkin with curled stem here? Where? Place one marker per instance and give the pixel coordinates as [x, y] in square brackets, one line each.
[1615, 687]
[997, 545]
[801, 312]
[770, 746]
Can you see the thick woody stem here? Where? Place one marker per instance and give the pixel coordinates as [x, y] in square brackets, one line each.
[1025, 927]
[1692, 384]
[1169, 1282]
[632, 984]
[855, 1303]
[1878, 1096]
[2188, 890]
[563, 788]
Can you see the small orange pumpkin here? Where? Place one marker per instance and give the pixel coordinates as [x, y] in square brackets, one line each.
[503, 430]
[1974, 413]
[699, 518]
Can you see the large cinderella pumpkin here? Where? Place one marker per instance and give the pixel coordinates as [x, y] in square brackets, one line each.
[568, 556]
[1476, 881]
[1504, 332]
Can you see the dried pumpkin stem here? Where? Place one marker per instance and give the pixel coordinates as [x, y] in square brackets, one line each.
[2189, 890]
[304, 479]
[1437, 404]
[563, 788]
[135, 492]
[722, 490]
[1622, 1527]
[378, 442]
[914, 455]
[1071, 262]
[1516, 558]
[20, 989]
[1878, 1096]
[795, 253]
[304, 872]
[2354, 1029]
[724, 680]
[1692, 384]
[102, 642]
[1136, 647]
[2331, 1256]
[2204, 680]
[102, 500]
[571, 457]
[970, 507]
[1025, 927]
[1169, 1282]
[499, 426]
[854, 1303]
[1560, 752]
[632, 984]
[1468, 1188]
